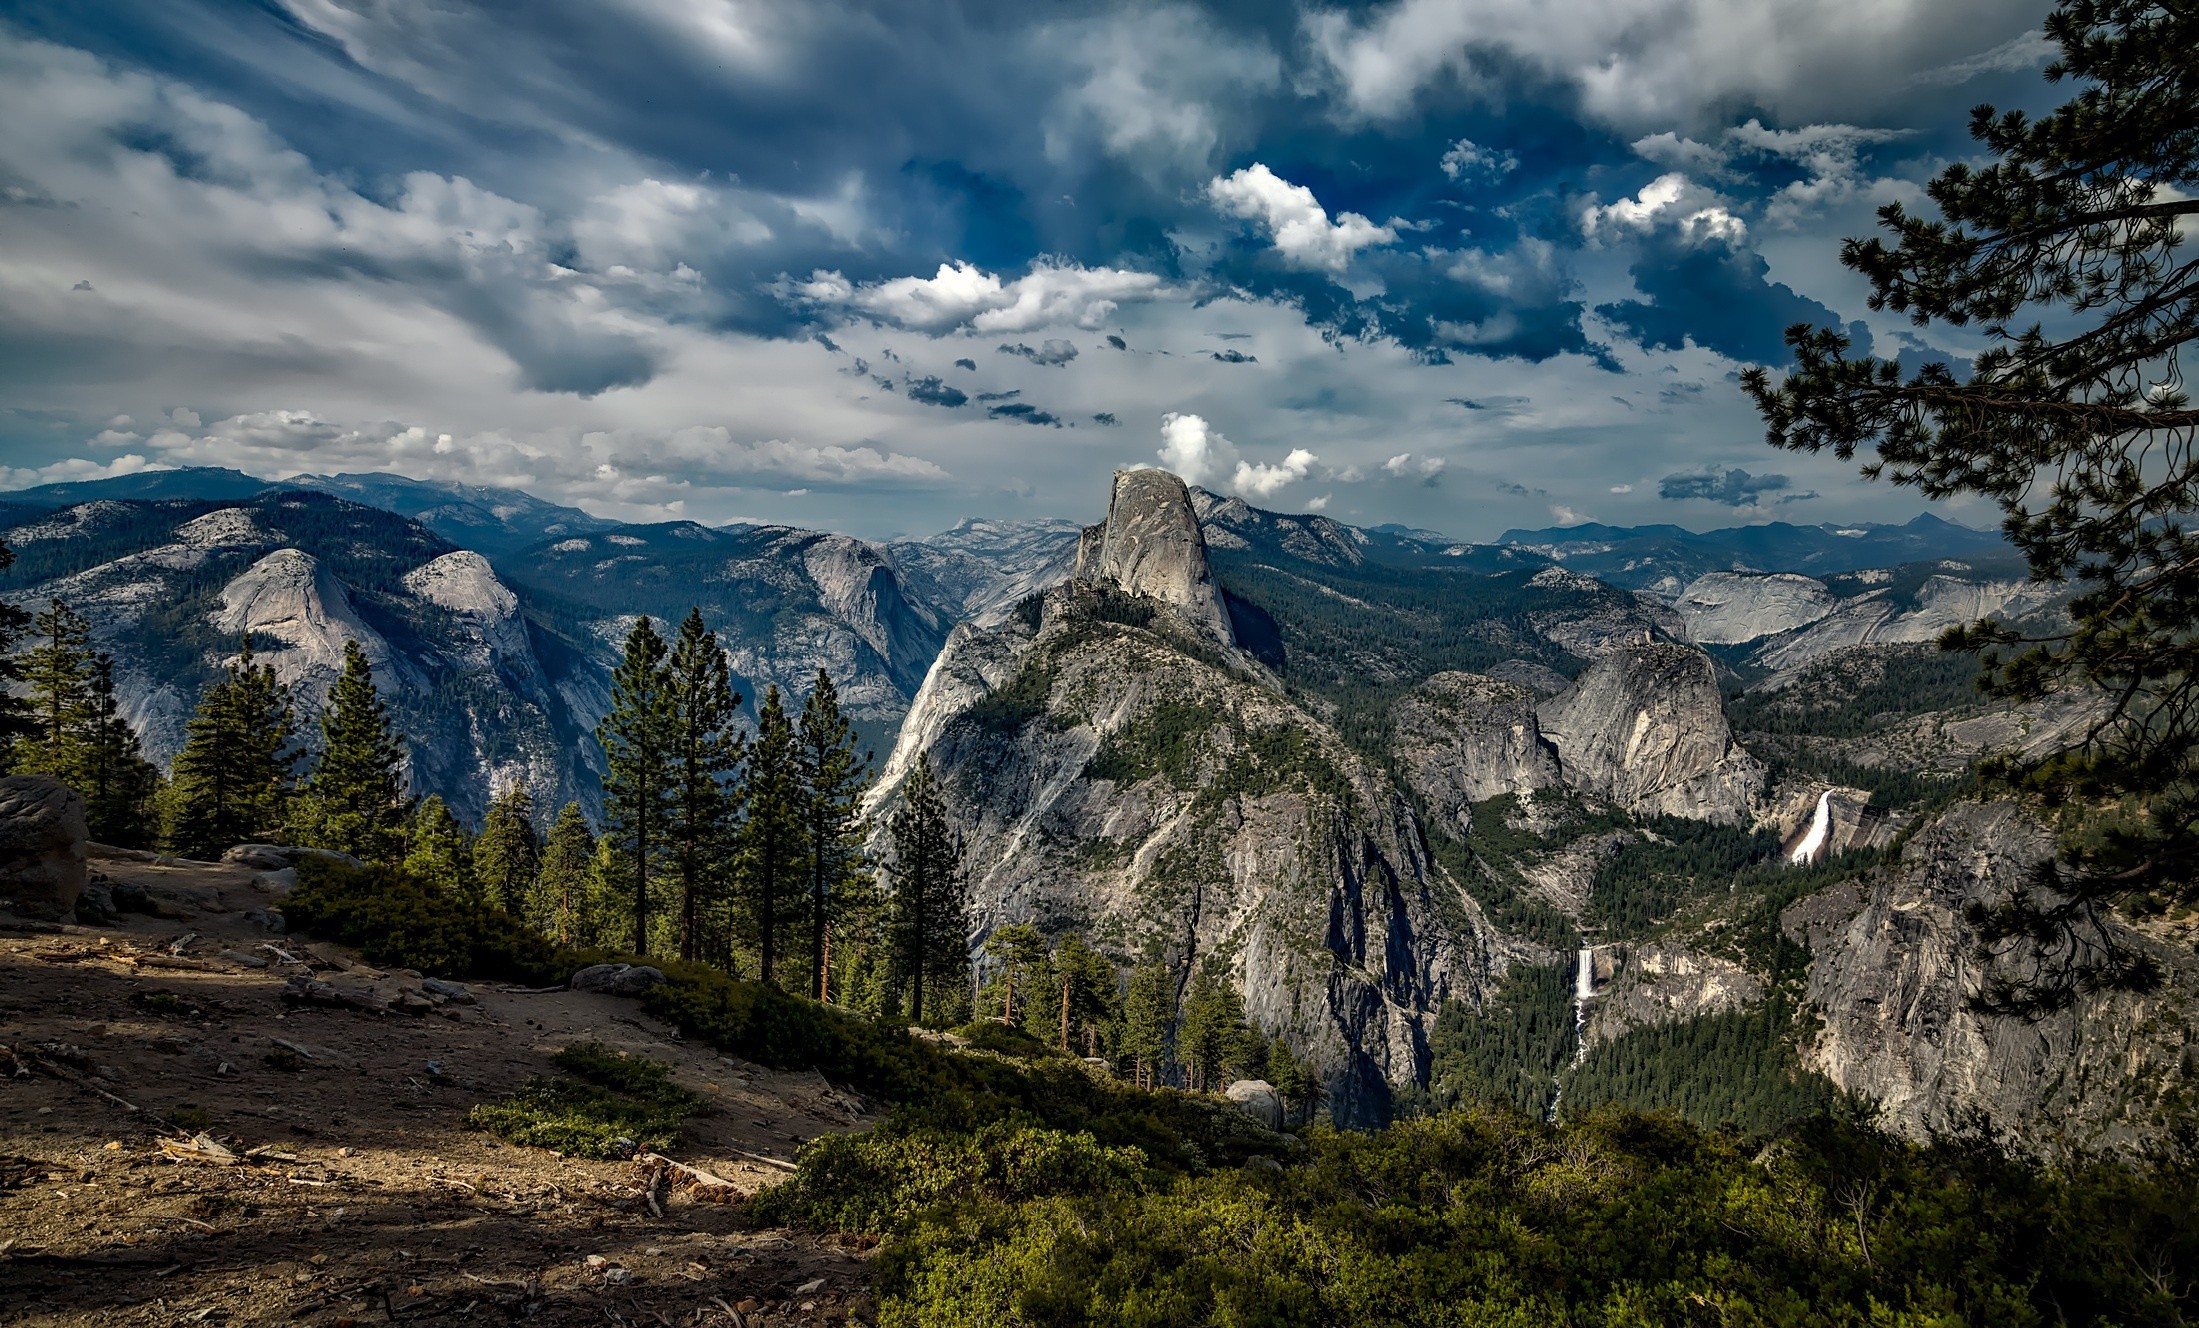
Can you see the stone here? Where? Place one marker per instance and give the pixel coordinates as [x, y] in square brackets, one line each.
[43, 866]
[267, 919]
[1645, 727]
[617, 979]
[1151, 544]
[276, 883]
[1258, 1099]
[449, 991]
[279, 858]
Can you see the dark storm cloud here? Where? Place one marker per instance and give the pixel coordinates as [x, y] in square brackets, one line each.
[1731, 488]
[932, 392]
[1053, 353]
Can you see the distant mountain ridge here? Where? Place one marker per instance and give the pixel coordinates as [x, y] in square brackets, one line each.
[1664, 559]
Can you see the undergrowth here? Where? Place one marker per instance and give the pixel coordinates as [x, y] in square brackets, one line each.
[607, 1105]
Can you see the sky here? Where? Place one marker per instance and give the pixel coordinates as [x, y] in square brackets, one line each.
[1459, 264]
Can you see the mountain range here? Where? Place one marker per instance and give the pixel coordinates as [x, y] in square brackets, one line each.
[1559, 816]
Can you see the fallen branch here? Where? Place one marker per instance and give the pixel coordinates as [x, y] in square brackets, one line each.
[700, 1184]
[71, 1076]
[200, 1148]
[759, 1157]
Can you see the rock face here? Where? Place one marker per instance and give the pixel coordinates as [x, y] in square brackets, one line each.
[1111, 781]
[290, 597]
[1893, 968]
[1658, 983]
[1879, 617]
[1461, 738]
[1724, 608]
[1645, 728]
[979, 570]
[1151, 545]
[43, 867]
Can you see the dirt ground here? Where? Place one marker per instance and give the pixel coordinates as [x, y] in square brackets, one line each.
[368, 1201]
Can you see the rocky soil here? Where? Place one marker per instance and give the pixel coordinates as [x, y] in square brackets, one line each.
[354, 1193]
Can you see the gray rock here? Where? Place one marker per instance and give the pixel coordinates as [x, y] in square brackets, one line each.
[1646, 728]
[1461, 738]
[1258, 1099]
[1151, 544]
[281, 857]
[276, 883]
[43, 867]
[268, 919]
[617, 979]
[1725, 608]
[97, 904]
[449, 991]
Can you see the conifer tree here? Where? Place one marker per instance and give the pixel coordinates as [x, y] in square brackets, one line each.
[833, 776]
[929, 919]
[59, 671]
[1086, 980]
[1149, 1009]
[705, 751]
[508, 856]
[354, 802]
[638, 738]
[562, 887]
[1214, 1032]
[15, 720]
[2068, 250]
[119, 784]
[438, 850]
[771, 835]
[232, 778]
[1023, 970]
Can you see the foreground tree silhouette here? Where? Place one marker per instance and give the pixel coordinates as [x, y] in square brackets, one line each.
[637, 746]
[770, 840]
[232, 778]
[15, 721]
[705, 752]
[354, 802]
[833, 775]
[508, 856]
[929, 926]
[2068, 251]
[118, 783]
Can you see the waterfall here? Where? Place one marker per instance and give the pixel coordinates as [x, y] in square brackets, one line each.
[1584, 989]
[1820, 830]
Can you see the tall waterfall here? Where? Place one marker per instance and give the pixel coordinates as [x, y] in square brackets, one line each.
[1584, 989]
[1813, 843]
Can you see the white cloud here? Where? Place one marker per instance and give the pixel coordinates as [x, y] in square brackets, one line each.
[1830, 155]
[1319, 504]
[1199, 453]
[963, 295]
[1660, 64]
[1467, 158]
[1154, 87]
[1295, 221]
[1671, 199]
[76, 468]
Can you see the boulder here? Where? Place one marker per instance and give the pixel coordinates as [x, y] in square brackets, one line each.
[1258, 1099]
[43, 867]
[617, 979]
[282, 857]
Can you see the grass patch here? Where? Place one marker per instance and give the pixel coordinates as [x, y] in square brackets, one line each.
[607, 1105]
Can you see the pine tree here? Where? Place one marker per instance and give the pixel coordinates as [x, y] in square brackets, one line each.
[438, 850]
[561, 889]
[59, 671]
[2069, 252]
[1214, 1032]
[1023, 970]
[354, 802]
[15, 721]
[508, 856]
[637, 737]
[833, 777]
[232, 778]
[771, 835]
[1148, 1012]
[1087, 982]
[119, 785]
[929, 920]
[705, 751]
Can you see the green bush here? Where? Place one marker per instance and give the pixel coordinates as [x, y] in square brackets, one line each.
[400, 921]
[609, 1105]
[1005, 1039]
[885, 1179]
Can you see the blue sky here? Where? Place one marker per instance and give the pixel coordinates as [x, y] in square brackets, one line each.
[1464, 264]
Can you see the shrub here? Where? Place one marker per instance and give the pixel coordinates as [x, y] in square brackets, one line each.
[609, 1105]
[400, 921]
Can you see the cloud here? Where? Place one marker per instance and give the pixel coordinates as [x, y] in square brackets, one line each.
[933, 392]
[1633, 65]
[78, 468]
[965, 364]
[1297, 225]
[1427, 469]
[1233, 356]
[1054, 352]
[1671, 200]
[1828, 155]
[1023, 412]
[1199, 453]
[1729, 488]
[1466, 159]
[959, 295]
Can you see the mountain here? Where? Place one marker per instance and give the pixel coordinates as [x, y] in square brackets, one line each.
[171, 587]
[980, 569]
[472, 516]
[1666, 558]
[785, 602]
[190, 482]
